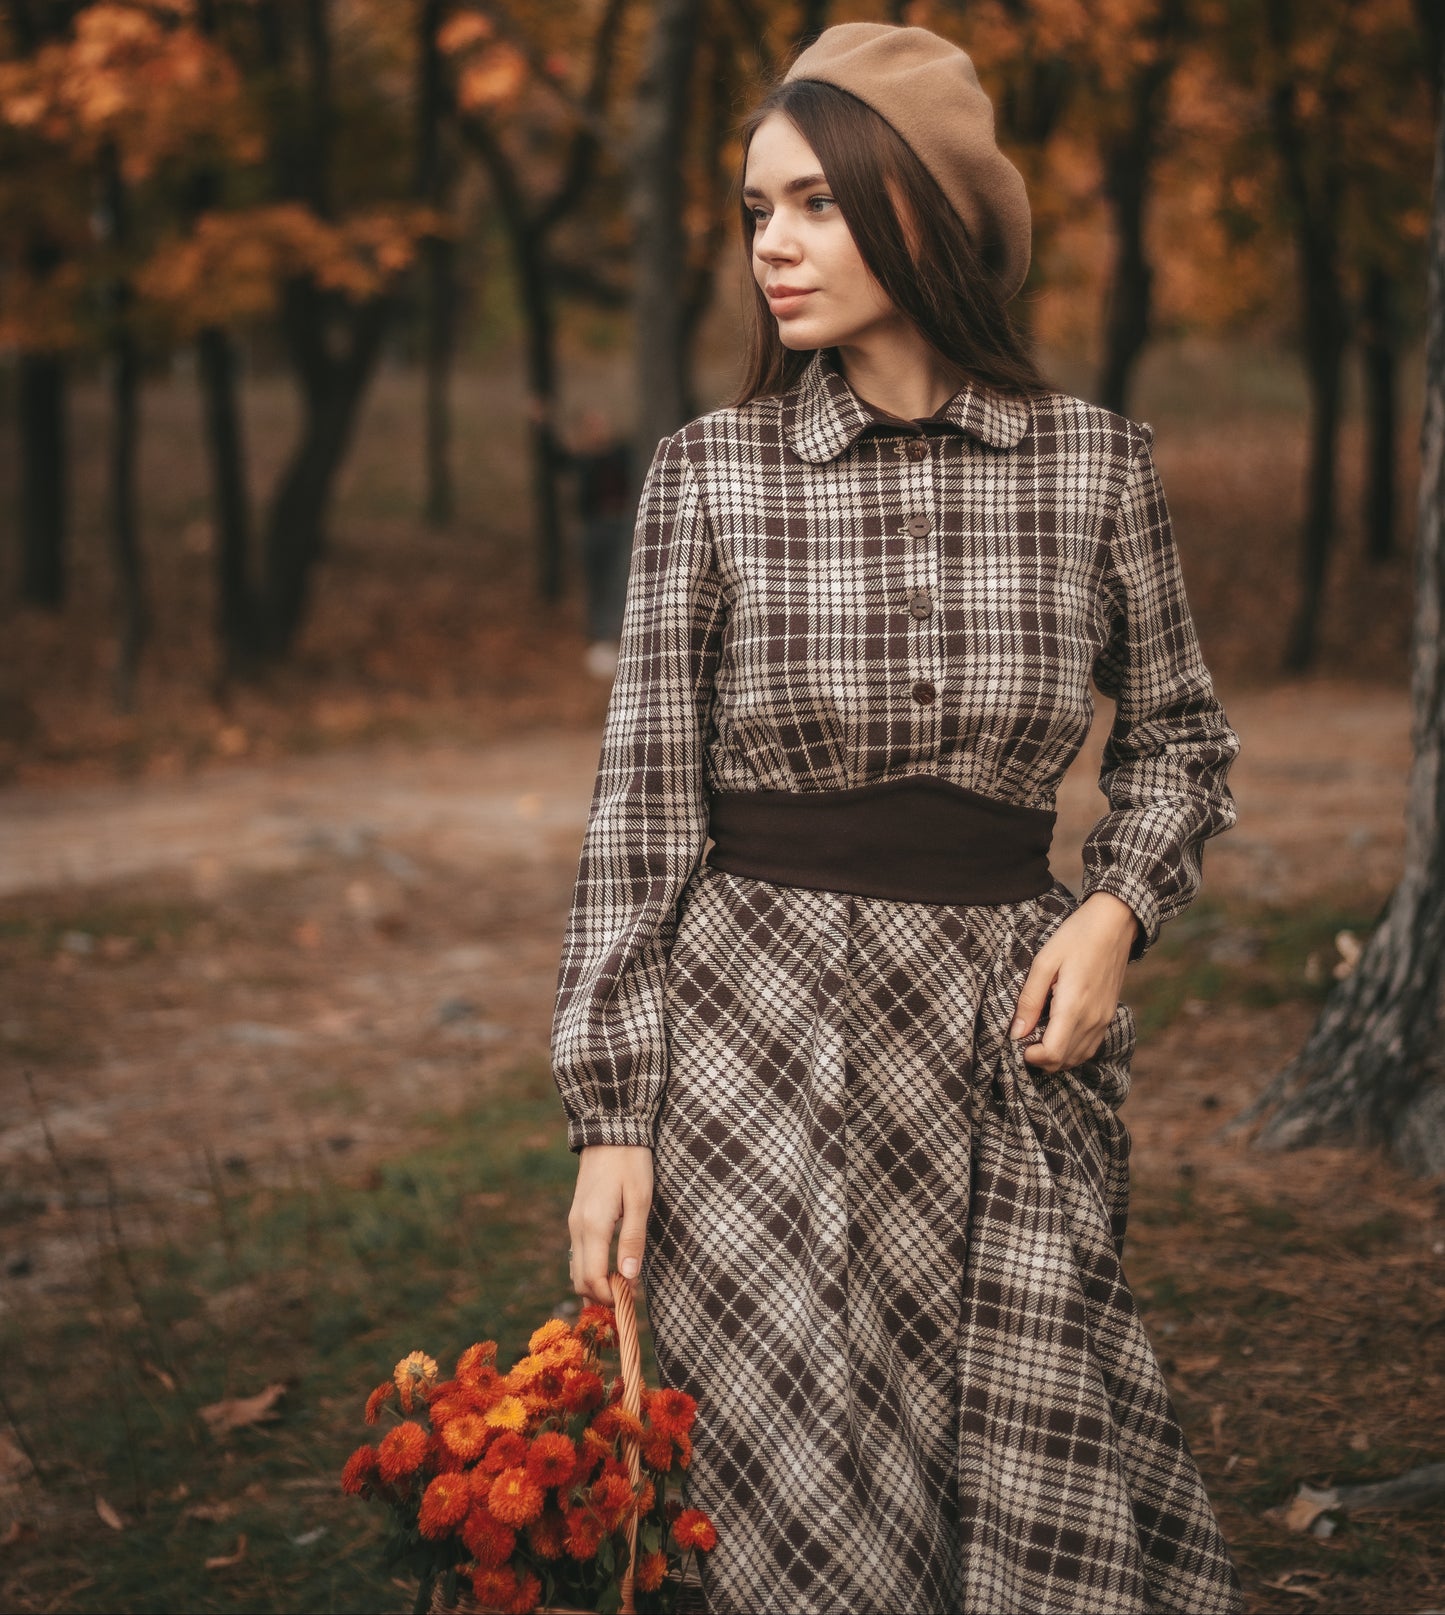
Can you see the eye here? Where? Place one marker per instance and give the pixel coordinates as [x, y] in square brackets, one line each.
[759, 214]
[817, 203]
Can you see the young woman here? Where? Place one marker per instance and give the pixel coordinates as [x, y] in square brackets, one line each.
[851, 1084]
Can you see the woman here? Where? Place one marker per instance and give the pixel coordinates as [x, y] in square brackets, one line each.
[878, 1195]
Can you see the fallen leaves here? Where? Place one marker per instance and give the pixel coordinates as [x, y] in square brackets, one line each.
[228, 1561]
[236, 1412]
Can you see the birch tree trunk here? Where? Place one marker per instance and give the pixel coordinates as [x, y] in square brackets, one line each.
[1373, 1069]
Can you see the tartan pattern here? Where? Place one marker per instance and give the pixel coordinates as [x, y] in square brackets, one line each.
[884, 1253]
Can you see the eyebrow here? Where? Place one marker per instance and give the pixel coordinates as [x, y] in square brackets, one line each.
[806, 183]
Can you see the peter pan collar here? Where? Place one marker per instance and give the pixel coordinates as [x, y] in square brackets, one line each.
[822, 415]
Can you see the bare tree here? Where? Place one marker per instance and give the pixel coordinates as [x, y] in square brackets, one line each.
[1373, 1068]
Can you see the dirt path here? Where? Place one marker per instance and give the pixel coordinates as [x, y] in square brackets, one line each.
[271, 963]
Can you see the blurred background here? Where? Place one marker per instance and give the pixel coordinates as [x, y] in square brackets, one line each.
[335, 336]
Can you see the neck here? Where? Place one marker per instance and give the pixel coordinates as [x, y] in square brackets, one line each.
[898, 371]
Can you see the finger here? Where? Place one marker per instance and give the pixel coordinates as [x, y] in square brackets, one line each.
[633, 1237]
[592, 1261]
[1058, 1035]
[1032, 998]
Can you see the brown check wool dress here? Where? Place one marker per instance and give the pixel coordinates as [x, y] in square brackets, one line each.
[884, 1252]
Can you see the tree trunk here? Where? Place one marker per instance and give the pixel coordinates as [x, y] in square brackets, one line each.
[1379, 355]
[1128, 170]
[659, 234]
[333, 388]
[1372, 1069]
[1315, 197]
[438, 293]
[125, 436]
[230, 500]
[42, 479]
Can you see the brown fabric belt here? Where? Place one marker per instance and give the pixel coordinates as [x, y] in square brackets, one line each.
[915, 838]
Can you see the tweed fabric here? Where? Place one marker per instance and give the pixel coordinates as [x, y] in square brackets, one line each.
[884, 1252]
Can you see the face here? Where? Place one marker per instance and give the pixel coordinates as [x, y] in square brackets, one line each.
[819, 290]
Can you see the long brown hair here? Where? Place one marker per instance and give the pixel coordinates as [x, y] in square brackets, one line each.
[915, 245]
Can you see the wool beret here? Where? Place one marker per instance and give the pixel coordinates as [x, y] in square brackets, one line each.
[927, 88]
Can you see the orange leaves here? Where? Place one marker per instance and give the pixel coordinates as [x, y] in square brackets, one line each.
[129, 76]
[232, 265]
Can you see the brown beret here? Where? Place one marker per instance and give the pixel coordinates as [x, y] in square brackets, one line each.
[928, 90]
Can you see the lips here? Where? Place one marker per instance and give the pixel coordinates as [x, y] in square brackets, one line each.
[783, 294]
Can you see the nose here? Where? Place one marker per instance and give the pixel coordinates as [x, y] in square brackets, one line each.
[774, 243]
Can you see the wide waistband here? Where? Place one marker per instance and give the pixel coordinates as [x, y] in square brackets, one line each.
[915, 838]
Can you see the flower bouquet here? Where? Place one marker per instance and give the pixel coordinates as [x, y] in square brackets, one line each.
[542, 1488]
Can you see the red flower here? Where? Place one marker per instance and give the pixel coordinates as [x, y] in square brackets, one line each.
[548, 1533]
[475, 1361]
[584, 1533]
[515, 1497]
[614, 1420]
[651, 1568]
[693, 1529]
[488, 1540]
[401, 1451]
[612, 1498]
[495, 1586]
[552, 1459]
[672, 1411]
[445, 1503]
[596, 1324]
[507, 1451]
[683, 1443]
[657, 1451]
[359, 1472]
[581, 1390]
[377, 1400]
[527, 1596]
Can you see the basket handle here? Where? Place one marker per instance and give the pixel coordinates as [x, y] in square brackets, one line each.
[628, 1349]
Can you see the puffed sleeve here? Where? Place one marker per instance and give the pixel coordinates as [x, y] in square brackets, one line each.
[1170, 748]
[647, 825]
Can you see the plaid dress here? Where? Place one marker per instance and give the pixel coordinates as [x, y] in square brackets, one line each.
[884, 1252]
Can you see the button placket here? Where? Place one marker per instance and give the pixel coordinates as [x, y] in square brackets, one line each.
[916, 586]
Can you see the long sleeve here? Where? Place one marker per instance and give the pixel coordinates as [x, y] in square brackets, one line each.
[647, 825]
[1170, 748]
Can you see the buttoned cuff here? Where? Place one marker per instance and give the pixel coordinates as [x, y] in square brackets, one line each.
[1138, 894]
[608, 1130]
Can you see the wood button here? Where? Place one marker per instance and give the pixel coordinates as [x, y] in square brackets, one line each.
[921, 603]
[917, 448]
[919, 526]
[924, 692]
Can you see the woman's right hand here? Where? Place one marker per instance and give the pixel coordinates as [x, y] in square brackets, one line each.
[613, 1180]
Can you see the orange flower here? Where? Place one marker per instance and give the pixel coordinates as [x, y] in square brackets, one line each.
[595, 1446]
[545, 1334]
[515, 1497]
[597, 1324]
[440, 1459]
[496, 1587]
[401, 1451]
[507, 1414]
[614, 1421]
[651, 1568]
[672, 1411]
[445, 1503]
[507, 1451]
[581, 1390]
[612, 1498]
[552, 1459]
[415, 1375]
[693, 1529]
[475, 1361]
[488, 1540]
[466, 1435]
[548, 1533]
[527, 1596]
[657, 1451]
[683, 1443]
[358, 1472]
[646, 1496]
[584, 1533]
[377, 1400]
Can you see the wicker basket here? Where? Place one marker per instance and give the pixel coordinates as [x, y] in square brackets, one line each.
[690, 1600]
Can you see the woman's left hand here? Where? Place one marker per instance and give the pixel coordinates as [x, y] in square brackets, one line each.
[1082, 965]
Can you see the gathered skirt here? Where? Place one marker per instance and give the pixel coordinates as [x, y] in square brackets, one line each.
[885, 1255]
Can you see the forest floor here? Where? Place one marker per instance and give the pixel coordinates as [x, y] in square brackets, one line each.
[287, 1115]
